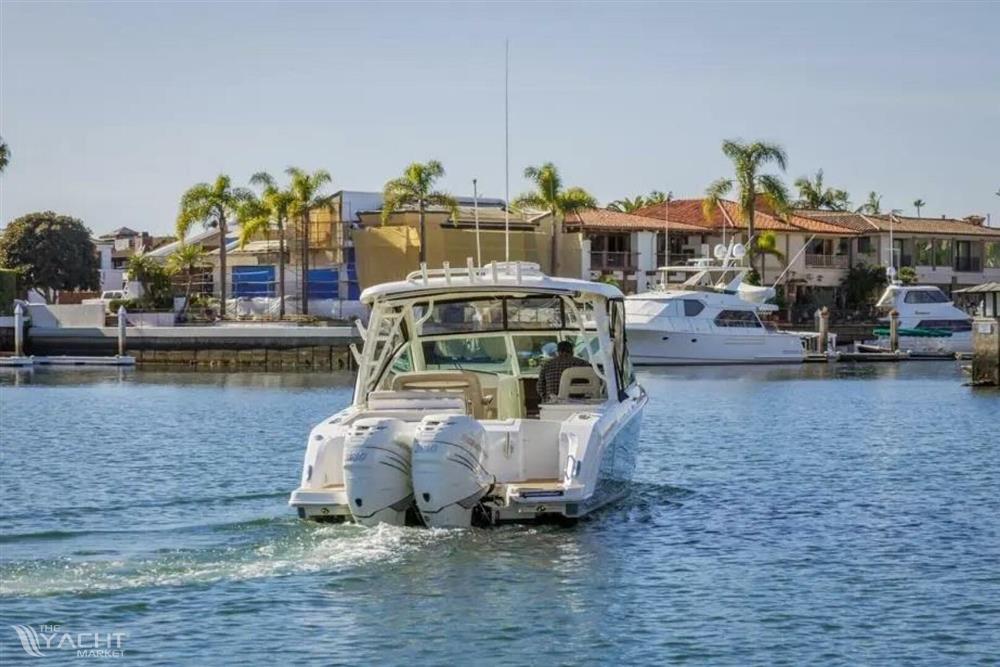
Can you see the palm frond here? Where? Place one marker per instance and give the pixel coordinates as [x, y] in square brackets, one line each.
[714, 194]
[775, 193]
[575, 199]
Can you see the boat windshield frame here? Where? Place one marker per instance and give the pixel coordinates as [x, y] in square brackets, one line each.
[584, 317]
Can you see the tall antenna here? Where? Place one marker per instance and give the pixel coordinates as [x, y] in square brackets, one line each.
[475, 207]
[506, 148]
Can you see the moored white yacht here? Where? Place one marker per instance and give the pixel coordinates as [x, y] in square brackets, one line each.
[446, 427]
[712, 317]
[929, 323]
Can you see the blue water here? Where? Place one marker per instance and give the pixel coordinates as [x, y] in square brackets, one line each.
[834, 515]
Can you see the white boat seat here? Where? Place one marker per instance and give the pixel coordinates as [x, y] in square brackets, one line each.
[447, 381]
[438, 401]
[579, 382]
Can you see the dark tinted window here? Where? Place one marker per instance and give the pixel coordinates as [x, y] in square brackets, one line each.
[737, 318]
[925, 296]
[950, 325]
[692, 307]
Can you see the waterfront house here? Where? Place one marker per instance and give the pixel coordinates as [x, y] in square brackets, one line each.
[391, 249]
[812, 273]
[945, 252]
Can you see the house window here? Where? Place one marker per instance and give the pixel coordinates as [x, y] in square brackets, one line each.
[942, 252]
[967, 256]
[992, 254]
[865, 245]
[924, 252]
[692, 307]
[737, 318]
[901, 251]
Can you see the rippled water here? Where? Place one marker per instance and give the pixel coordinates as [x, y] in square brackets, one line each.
[834, 515]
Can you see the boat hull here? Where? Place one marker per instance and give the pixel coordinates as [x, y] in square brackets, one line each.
[656, 347]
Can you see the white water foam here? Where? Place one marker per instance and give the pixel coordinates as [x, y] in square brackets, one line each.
[307, 548]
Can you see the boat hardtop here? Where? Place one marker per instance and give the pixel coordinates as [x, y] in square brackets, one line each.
[519, 275]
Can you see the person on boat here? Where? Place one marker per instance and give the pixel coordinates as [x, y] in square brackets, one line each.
[552, 370]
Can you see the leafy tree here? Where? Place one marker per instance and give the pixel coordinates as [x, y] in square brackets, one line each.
[4, 154]
[50, 252]
[873, 206]
[862, 283]
[550, 195]
[813, 195]
[187, 260]
[908, 275]
[748, 159]
[919, 204]
[154, 279]
[416, 188]
[259, 215]
[306, 197]
[213, 205]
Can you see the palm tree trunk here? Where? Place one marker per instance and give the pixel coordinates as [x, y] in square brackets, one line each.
[222, 263]
[423, 231]
[187, 290]
[281, 269]
[305, 262]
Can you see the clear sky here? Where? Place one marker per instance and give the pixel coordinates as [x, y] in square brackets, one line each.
[111, 110]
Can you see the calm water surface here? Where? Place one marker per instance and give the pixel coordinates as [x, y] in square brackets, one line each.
[831, 515]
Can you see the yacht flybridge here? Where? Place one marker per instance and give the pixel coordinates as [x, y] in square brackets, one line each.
[711, 317]
[447, 428]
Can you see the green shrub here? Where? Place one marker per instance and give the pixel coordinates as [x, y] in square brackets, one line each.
[8, 291]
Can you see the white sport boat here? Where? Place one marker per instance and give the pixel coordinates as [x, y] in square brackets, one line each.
[929, 323]
[447, 429]
[712, 317]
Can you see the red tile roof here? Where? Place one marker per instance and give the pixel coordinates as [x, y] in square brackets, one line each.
[867, 224]
[603, 219]
[727, 215]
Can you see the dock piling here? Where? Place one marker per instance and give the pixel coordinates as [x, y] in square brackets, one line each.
[121, 331]
[18, 330]
[894, 330]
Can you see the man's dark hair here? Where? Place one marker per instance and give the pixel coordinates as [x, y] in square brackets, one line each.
[565, 347]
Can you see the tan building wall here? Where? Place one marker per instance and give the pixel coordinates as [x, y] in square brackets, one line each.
[389, 252]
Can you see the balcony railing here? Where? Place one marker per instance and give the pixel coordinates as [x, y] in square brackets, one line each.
[612, 259]
[826, 261]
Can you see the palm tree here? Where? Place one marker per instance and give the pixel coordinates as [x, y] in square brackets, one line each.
[747, 160]
[549, 194]
[873, 206]
[260, 214]
[658, 197]
[813, 195]
[213, 205]
[627, 205]
[416, 188]
[305, 189]
[4, 154]
[186, 260]
[919, 204]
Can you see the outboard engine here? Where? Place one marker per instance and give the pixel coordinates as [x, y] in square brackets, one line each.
[377, 471]
[448, 473]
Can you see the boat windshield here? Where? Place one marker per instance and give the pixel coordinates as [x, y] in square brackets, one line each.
[925, 296]
[490, 314]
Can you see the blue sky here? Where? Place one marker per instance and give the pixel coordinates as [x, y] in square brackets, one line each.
[112, 109]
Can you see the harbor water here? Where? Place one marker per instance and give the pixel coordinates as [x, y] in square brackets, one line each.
[833, 514]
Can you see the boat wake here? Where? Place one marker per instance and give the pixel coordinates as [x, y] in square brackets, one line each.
[278, 547]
